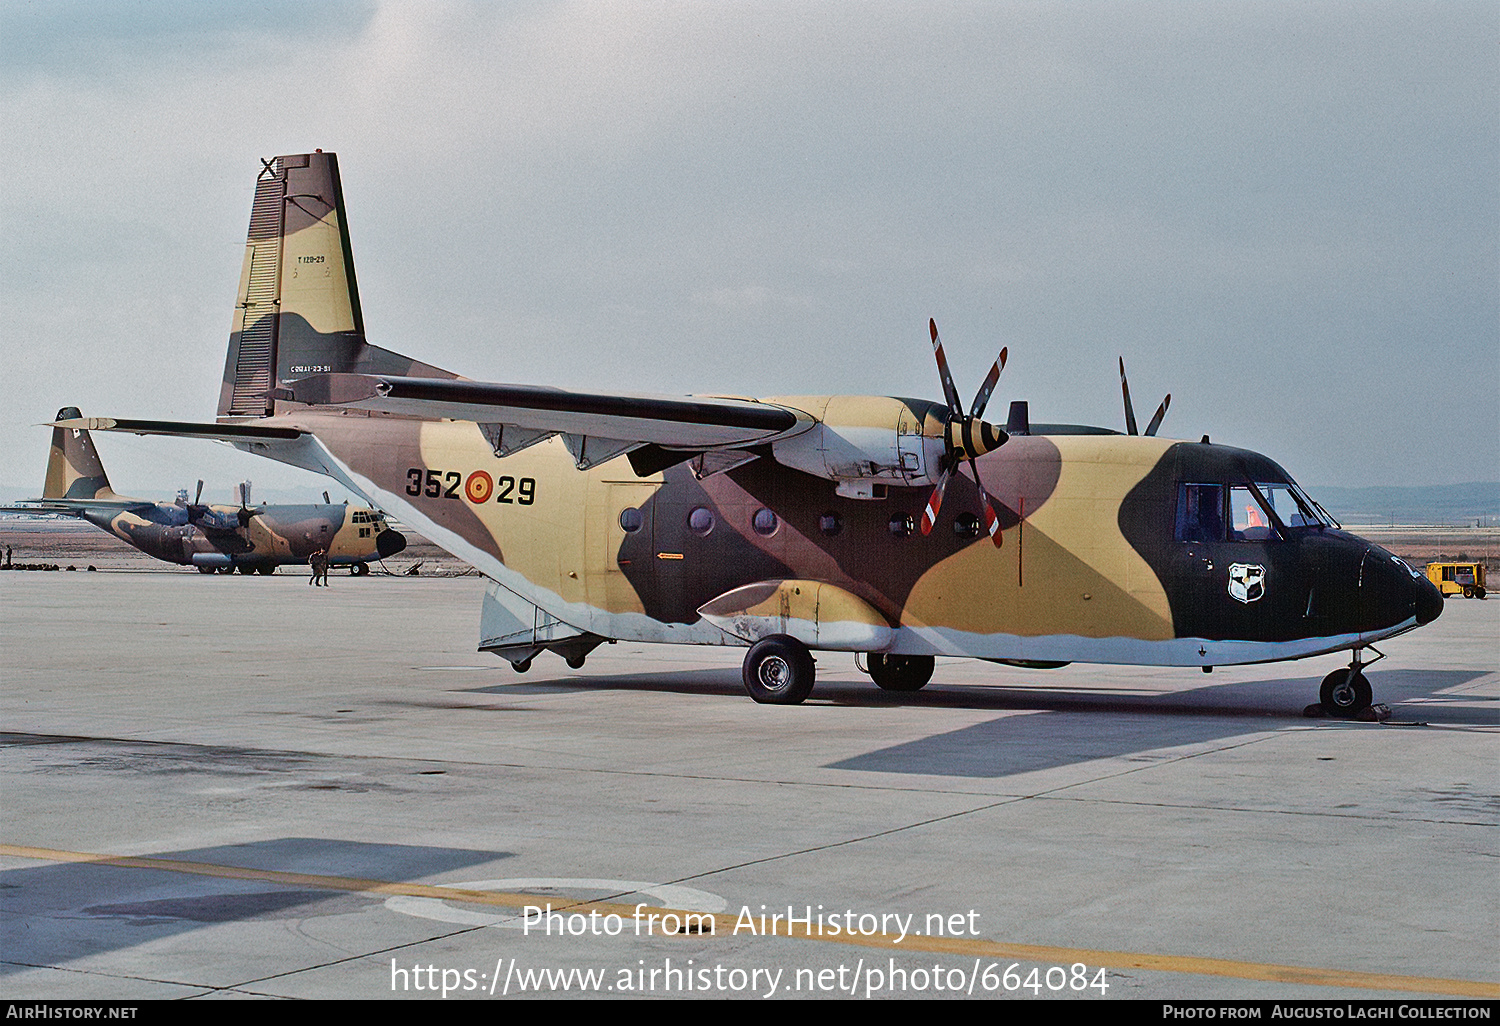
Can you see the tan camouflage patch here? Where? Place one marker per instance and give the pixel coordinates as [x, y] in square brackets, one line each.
[1066, 568]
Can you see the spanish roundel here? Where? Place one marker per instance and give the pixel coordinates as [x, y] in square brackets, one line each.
[479, 487]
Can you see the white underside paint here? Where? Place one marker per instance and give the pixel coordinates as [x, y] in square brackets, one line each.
[1127, 651]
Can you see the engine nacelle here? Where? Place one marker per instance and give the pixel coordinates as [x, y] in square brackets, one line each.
[860, 441]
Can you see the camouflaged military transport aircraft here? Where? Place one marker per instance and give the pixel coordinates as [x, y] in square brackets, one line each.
[900, 529]
[211, 538]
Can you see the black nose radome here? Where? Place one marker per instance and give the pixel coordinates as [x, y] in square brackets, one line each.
[388, 543]
[1429, 603]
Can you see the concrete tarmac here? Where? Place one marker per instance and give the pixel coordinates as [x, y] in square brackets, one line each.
[232, 786]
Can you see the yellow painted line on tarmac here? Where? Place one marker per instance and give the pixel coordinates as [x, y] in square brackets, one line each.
[971, 946]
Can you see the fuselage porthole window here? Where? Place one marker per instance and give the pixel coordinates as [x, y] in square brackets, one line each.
[701, 521]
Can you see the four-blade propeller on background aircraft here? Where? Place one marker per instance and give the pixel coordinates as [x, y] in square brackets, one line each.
[245, 513]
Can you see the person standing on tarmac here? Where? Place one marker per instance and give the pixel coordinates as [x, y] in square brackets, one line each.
[319, 563]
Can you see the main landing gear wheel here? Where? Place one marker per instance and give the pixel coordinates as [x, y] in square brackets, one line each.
[1345, 693]
[779, 671]
[205, 569]
[265, 571]
[899, 672]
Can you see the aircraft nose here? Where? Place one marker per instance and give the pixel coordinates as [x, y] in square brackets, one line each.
[1429, 601]
[1394, 592]
[388, 543]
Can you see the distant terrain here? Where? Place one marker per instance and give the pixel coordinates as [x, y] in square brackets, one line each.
[1476, 503]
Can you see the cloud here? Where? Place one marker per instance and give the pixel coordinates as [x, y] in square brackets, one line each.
[1288, 202]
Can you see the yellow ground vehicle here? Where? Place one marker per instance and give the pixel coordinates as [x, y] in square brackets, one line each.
[1466, 579]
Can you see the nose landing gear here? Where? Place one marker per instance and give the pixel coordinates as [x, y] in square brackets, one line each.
[1346, 695]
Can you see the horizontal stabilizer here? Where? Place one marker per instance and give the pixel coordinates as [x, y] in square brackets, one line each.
[286, 444]
[181, 429]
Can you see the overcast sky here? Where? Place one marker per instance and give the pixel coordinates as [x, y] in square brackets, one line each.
[1287, 215]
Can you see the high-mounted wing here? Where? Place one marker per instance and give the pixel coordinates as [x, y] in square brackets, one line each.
[76, 507]
[685, 423]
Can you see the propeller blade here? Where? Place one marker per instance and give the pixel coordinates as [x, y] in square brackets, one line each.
[245, 493]
[935, 502]
[198, 498]
[991, 519]
[950, 393]
[1130, 428]
[1161, 411]
[982, 397]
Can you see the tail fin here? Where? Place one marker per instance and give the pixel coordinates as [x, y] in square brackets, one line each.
[298, 310]
[74, 470]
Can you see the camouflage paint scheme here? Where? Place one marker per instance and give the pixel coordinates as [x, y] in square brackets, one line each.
[209, 537]
[719, 521]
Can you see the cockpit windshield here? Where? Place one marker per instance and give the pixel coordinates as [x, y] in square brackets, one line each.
[1294, 508]
[1244, 511]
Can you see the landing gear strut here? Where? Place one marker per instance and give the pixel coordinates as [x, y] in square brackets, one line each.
[1346, 693]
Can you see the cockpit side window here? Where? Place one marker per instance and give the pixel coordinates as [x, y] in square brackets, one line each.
[1264, 511]
[1200, 513]
[1248, 519]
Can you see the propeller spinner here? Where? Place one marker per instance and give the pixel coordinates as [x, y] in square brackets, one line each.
[965, 438]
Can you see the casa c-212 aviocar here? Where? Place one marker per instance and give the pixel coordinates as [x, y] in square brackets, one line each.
[899, 528]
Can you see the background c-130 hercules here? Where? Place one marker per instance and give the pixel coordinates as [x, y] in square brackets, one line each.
[210, 537]
[899, 528]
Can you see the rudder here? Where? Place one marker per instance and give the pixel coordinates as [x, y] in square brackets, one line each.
[74, 470]
[298, 311]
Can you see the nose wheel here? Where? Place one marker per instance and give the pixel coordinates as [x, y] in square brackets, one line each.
[1346, 693]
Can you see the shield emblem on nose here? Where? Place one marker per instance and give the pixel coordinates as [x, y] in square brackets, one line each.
[1247, 581]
